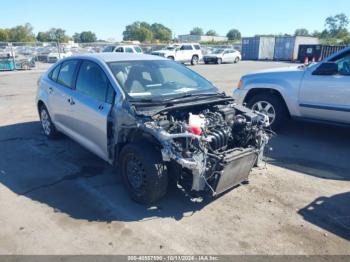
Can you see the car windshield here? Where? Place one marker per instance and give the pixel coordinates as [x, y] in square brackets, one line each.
[158, 79]
[218, 51]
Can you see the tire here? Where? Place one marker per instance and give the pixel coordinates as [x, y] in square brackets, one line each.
[194, 60]
[278, 106]
[237, 60]
[144, 173]
[46, 123]
[219, 61]
[171, 58]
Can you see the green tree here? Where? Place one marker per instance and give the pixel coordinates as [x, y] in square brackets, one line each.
[336, 25]
[161, 32]
[21, 33]
[87, 37]
[197, 31]
[76, 38]
[234, 34]
[301, 32]
[211, 33]
[140, 31]
[3, 35]
[43, 37]
[58, 35]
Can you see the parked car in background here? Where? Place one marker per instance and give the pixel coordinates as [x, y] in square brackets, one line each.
[183, 53]
[223, 55]
[317, 92]
[135, 49]
[159, 121]
[53, 57]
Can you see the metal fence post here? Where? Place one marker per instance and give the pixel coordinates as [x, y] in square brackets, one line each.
[13, 56]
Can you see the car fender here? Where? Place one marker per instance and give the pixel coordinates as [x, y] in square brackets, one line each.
[287, 89]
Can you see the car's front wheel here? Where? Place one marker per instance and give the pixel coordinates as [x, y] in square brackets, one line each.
[46, 123]
[272, 106]
[144, 173]
[237, 60]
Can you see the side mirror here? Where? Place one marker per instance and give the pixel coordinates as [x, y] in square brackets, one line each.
[326, 69]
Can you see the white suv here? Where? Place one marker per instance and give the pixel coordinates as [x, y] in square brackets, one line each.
[182, 53]
[123, 49]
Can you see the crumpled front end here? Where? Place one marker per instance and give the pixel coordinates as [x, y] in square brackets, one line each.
[212, 148]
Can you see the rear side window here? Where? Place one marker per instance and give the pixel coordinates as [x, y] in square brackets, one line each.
[129, 50]
[197, 47]
[54, 73]
[138, 49]
[92, 81]
[186, 47]
[66, 74]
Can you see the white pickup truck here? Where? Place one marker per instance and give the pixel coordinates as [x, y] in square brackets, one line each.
[318, 92]
[182, 53]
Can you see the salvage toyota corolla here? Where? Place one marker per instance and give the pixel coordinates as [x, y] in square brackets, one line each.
[156, 120]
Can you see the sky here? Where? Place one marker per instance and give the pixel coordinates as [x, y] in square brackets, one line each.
[108, 18]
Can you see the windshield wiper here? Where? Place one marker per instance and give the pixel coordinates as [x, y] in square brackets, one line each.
[194, 95]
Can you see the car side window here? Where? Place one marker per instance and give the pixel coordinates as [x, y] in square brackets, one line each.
[120, 50]
[186, 47]
[138, 49]
[129, 50]
[54, 73]
[66, 74]
[344, 65]
[197, 47]
[92, 81]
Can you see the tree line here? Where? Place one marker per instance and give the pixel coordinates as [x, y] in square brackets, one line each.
[24, 33]
[335, 32]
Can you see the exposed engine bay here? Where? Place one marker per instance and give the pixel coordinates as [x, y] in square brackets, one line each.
[210, 147]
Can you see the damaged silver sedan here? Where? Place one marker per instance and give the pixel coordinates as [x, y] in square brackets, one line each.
[159, 122]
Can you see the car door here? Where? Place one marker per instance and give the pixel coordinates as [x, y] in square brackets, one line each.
[92, 103]
[184, 53]
[327, 97]
[60, 92]
[227, 56]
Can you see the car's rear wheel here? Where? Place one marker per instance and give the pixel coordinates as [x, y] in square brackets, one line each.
[194, 60]
[272, 106]
[46, 123]
[219, 61]
[144, 172]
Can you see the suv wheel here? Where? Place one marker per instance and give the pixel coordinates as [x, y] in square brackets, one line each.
[272, 106]
[46, 123]
[144, 172]
[194, 60]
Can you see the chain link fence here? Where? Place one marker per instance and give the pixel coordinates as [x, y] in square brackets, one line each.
[28, 56]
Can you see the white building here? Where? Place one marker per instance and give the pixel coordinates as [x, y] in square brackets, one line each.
[201, 38]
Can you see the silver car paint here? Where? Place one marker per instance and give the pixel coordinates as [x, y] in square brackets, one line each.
[298, 86]
[79, 116]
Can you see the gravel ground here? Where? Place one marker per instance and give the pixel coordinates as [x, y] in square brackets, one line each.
[58, 198]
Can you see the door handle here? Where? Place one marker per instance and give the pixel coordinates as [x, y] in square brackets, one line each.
[50, 90]
[71, 101]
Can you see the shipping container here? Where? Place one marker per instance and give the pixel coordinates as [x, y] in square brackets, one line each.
[317, 52]
[258, 48]
[287, 47]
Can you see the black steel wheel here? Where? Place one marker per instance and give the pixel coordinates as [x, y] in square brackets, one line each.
[144, 172]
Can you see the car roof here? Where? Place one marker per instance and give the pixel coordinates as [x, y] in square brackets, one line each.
[115, 56]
